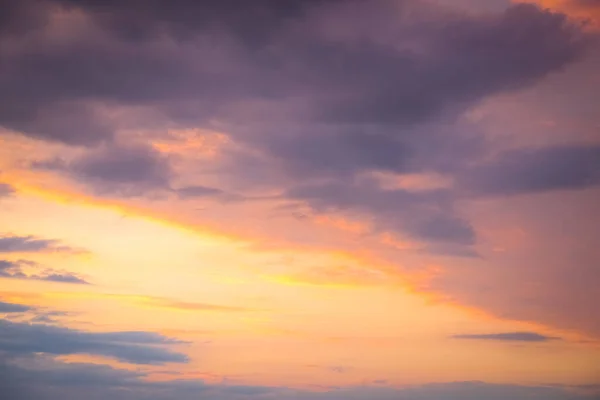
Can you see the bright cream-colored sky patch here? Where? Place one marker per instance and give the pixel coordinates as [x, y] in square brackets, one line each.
[150, 276]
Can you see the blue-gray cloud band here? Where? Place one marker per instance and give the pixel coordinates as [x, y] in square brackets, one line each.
[134, 347]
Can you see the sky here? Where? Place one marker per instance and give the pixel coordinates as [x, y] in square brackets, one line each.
[299, 199]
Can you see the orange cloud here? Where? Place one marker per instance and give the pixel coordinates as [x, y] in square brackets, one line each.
[411, 182]
[196, 142]
[341, 223]
[581, 9]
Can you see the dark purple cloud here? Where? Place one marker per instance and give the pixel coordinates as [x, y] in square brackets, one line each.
[314, 88]
[119, 165]
[18, 17]
[120, 169]
[184, 18]
[535, 170]
[198, 191]
[212, 193]
[276, 52]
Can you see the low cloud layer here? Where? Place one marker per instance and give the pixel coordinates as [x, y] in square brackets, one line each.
[13, 308]
[508, 337]
[53, 382]
[31, 244]
[23, 269]
[19, 339]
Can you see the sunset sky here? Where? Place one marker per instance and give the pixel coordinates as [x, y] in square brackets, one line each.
[299, 199]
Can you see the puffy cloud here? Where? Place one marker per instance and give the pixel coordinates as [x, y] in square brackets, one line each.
[116, 169]
[388, 70]
[122, 166]
[133, 347]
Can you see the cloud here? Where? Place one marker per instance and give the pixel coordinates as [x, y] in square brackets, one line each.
[425, 216]
[536, 170]
[47, 316]
[588, 10]
[133, 347]
[184, 18]
[16, 270]
[206, 192]
[18, 17]
[306, 90]
[12, 269]
[30, 313]
[123, 165]
[48, 121]
[380, 110]
[69, 377]
[6, 190]
[13, 308]
[366, 74]
[198, 191]
[32, 244]
[53, 380]
[63, 277]
[509, 337]
[120, 169]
